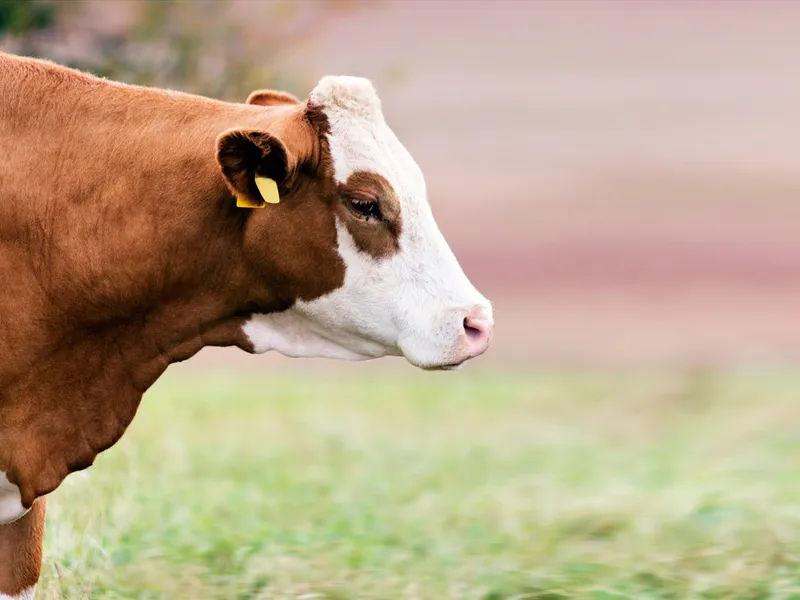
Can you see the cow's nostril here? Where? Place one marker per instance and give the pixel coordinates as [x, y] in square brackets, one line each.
[474, 328]
[478, 326]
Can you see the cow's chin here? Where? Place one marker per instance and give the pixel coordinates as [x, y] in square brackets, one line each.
[439, 366]
[431, 357]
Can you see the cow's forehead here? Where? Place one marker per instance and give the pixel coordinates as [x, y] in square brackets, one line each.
[360, 139]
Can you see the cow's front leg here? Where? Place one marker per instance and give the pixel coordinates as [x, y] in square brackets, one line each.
[21, 554]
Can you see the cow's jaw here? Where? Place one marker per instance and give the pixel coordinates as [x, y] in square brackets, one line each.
[413, 302]
[297, 334]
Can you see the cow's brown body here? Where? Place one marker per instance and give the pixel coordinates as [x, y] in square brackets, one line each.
[121, 251]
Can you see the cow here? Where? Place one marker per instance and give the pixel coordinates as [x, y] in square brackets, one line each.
[140, 225]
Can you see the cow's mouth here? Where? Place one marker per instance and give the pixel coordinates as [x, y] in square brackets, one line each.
[452, 367]
[447, 367]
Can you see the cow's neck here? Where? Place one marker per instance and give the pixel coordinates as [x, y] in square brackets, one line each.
[123, 261]
[77, 401]
[98, 353]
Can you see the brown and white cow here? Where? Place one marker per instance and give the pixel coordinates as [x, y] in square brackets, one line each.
[123, 248]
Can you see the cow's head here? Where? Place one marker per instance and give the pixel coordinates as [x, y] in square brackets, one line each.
[352, 248]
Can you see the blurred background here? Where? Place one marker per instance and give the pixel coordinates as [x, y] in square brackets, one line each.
[620, 178]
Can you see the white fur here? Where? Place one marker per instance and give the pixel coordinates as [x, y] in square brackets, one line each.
[26, 594]
[11, 507]
[412, 303]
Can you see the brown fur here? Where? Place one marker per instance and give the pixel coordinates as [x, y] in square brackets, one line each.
[21, 550]
[122, 250]
[378, 240]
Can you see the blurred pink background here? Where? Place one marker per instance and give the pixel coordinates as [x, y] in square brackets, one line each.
[622, 179]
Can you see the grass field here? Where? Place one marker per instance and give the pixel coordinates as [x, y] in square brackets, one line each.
[468, 486]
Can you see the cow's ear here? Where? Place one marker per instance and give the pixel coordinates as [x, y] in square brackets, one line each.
[250, 160]
[271, 98]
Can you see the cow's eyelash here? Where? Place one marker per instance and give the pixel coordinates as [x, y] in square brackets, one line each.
[365, 208]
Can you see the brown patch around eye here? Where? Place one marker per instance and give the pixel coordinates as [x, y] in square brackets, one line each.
[378, 238]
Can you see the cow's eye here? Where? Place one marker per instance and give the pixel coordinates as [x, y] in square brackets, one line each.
[365, 207]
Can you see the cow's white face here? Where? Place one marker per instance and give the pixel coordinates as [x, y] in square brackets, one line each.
[414, 301]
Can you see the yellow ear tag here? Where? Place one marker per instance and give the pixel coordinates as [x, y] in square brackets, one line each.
[268, 189]
[269, 194]
[243, 202]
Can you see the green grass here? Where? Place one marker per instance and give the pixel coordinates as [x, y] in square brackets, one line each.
[468, 486]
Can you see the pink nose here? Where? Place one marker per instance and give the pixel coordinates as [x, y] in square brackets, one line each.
[478, 327]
